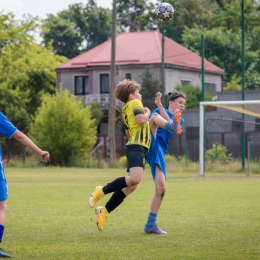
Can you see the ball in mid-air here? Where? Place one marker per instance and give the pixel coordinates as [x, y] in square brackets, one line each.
[164, 12]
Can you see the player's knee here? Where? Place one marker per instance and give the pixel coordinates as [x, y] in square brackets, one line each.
[135, 181]
[3, 206]
[132, 188]
[161, 191]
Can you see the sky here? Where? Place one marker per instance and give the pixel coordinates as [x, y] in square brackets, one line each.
[44, 7]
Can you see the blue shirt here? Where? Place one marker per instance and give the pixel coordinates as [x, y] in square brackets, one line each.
[162, 134]
[7, 129]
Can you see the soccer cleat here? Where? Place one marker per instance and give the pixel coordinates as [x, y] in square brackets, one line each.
[154, 230]
[95, 196]
[3, 254]
[101, 216]
[177, 122]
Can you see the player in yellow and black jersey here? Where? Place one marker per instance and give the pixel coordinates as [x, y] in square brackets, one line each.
[138, 134]
[136, 118]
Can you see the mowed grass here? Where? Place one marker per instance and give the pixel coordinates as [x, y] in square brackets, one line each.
[212, 217]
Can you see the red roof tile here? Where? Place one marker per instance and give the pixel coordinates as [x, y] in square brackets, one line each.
[140, 48]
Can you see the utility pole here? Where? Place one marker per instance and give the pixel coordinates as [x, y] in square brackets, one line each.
[112, 108]
[163, 64]
[243, 139]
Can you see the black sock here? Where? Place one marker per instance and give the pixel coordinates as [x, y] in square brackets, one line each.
[116, 199]
[116, 185]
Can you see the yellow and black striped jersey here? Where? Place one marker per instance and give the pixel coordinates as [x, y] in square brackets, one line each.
[139, 134]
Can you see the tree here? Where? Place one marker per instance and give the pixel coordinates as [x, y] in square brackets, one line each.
[64, 127]
[27, 69]
[149, 88]
[229, 15]
[96, 112]
[77, 29]
[62, 35]
[222, 48]
[187, 13]
[135, 15]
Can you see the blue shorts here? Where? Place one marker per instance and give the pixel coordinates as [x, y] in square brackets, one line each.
[156, 156]
[3, 190]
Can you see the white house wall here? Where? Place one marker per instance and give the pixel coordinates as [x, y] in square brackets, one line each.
[173, 77]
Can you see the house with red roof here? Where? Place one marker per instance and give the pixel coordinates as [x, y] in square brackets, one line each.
[87, 75]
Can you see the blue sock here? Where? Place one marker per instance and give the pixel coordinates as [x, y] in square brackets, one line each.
[2, 228]
[151, 219]
[169, 127]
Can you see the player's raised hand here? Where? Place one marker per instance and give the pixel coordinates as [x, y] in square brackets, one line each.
[157, 99]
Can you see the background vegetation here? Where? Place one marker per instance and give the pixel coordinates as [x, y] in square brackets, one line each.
[31, 49]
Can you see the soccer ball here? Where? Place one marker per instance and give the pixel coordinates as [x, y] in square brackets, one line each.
[164, 12]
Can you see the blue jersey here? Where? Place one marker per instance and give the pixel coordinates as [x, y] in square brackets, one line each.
[7, 129]
[159, 146]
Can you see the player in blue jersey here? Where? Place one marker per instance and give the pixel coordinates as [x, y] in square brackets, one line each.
[156, 155]
[9, 130]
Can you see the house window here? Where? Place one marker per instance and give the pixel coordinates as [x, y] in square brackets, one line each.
[81, 85]
[128, 76]
[257, 126]
[185, 82]
[192, 132]
[210, 88]
[104, 84]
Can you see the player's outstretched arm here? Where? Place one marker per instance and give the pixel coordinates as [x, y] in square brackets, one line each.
[158, 103]
[26, 141]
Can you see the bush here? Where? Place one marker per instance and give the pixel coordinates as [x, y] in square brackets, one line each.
[218, 153]
[63, 126]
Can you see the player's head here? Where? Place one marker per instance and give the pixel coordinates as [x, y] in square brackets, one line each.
[176, 100]
[127, 90]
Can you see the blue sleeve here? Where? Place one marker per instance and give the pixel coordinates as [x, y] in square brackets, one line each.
[182, 121]
[6, 127]
[155, 111]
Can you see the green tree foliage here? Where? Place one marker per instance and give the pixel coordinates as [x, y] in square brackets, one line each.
[193, 95]
[234, 84]
[27, 69]
[149, 88]
[134, 15]
[229, 15]
[77, 29]
[63, 126]
[96, 112]
[218, 153]
[222, 48]
[187, 13]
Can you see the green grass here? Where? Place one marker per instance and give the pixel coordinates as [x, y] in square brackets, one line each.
[212, 217]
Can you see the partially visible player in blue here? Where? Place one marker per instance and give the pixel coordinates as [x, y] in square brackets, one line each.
[156, 155]
[9, 130]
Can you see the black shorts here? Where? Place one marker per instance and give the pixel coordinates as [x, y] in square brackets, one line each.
[135, 155]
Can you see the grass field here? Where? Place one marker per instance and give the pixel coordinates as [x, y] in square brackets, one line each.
[213, 217]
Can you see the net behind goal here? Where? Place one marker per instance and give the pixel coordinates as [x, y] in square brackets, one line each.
[233, 124]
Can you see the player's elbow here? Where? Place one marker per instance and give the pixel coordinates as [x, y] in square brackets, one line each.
[141, 119]
[18, 135]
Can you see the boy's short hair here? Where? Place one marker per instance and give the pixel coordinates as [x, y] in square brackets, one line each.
[173, 95]
[125, 88]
